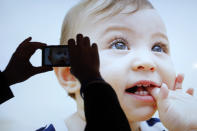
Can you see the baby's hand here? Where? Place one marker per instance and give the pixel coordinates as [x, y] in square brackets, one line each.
[178, 84]
[177, 109]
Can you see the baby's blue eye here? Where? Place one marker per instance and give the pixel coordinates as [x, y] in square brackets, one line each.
[119, 44]
[157, 48]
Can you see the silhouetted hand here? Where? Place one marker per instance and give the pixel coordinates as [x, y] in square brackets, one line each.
[84, 58]
[19, 68]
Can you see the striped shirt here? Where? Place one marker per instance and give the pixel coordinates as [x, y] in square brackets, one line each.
[152, 124]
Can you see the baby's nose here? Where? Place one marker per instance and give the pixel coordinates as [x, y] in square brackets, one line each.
[143, 65]
[145, 68]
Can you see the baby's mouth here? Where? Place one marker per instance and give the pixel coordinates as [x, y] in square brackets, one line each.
[142, 88]
[138, 90]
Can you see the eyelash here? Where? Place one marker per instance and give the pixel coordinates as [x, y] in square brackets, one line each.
[163, 46]
[117, 39]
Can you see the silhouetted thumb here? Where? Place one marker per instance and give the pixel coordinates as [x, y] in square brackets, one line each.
[38, 70]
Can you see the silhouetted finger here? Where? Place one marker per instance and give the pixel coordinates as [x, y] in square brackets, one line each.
[29, 49]
[22, 44]
[71, 43]
[79, 39]
[71, 49]
[95, 48]
[27, 40]
[86, 41]
[37, 45]
[94, 45]
[37, 70]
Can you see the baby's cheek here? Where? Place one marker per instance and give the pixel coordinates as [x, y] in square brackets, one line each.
[165, 70]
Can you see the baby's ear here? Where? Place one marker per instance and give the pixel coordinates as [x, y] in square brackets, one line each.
[67, 80]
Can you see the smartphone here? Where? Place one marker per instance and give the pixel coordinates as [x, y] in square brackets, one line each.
[55, 56]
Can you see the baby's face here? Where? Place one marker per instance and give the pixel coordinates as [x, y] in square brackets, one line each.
[134, 54]
[59, 56]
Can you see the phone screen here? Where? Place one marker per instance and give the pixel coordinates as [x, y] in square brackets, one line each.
[55, 56]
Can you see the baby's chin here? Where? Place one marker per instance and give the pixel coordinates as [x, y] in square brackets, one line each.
[141, 114]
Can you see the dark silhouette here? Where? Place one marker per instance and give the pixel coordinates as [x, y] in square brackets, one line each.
[102, 108]
[19, 68]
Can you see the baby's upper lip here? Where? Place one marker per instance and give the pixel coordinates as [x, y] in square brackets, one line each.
[145, 83]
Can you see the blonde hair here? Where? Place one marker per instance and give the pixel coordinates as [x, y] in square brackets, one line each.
[96, 8]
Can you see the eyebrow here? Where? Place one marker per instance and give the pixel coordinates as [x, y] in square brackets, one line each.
[161, 35]
[115, 28]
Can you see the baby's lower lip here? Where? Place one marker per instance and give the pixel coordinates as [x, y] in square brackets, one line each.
[142, 98]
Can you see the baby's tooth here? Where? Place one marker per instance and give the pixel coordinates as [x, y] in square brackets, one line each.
[139, 85]
[141, 93]
[145, 93]
[145, 85]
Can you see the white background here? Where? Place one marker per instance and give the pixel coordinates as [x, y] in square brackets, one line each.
[41, 100]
